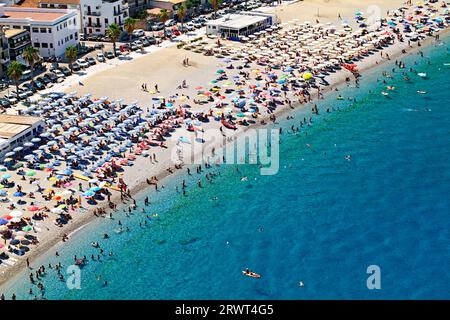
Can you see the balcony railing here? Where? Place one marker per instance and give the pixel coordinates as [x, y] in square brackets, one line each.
[92, 13]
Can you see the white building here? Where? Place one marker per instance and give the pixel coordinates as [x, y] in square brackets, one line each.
[63, 4]
[97, 15]
[16, 130]
[52, 30]
[238, 25]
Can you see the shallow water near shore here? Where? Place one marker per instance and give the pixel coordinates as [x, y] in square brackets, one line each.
[322, 220]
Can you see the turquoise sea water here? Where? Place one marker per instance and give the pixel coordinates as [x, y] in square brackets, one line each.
[322, 219]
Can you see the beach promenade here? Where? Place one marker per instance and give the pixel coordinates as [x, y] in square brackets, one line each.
[165, 95]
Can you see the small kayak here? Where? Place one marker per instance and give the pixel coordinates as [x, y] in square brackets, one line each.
[422, 74]
[384, 93]
[421, 92]
[251, 274]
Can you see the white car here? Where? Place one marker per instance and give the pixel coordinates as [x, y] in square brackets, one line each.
[101, 57]
[170, 23]
[83, 63]
[138, 44]
[138, 33]
[58, 73]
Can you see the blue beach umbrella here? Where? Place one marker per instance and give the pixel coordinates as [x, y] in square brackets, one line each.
[6, 176]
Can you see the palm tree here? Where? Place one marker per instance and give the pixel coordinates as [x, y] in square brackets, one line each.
[113, 32]
[163, 17]
[15, 72]
[71, 54]
[181, 13]
[130, 25]
[31, 56]
[215, 4]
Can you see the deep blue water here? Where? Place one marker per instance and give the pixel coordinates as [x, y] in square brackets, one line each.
[322, 219]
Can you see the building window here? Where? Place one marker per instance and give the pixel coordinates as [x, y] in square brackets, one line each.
[44, 45]
[37, 45]
[51, 45]
[36, 30]
[43, 30]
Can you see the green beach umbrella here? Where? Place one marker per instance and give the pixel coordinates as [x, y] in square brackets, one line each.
[27, 228]
[30, 173]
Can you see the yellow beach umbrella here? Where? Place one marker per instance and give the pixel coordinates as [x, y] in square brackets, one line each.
[307, 76]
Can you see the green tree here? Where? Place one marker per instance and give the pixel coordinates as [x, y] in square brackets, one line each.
[14, 72]
[130, 26]
[215, 4]
[181, 13]
[71, 55]
[31, 56]
[113, 32]
[163, 17]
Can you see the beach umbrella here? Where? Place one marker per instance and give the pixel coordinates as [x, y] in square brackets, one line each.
[67, 172]
[57, 210]
[88, 193]
[3, 221]
[3, 193]
[6, 176]
[29, 157]
[30, 173]
[307, 76]
[28, 144]
[16, 214]
[95, 189]
[33, 208]
[18, 149]
[10, 154]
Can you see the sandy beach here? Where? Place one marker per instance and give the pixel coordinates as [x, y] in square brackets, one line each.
[165, 69]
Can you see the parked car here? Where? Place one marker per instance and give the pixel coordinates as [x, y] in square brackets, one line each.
[91, 61]
[138, 44]
[158, 26]
[83, 63]
[189, 27]
[44, 79]
[76, 67]
[38, 85]
[52, 77]
[151, 40]
[138, 33]
[12, 99]
[65, 71]
[5, 103]
[28, 86]
[170, 23]
[109, 55]
[26, 75]
[54, 66]
[145, 43]
[59, 74]
[101, 57]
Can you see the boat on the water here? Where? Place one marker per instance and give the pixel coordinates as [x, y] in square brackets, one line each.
[251, 274]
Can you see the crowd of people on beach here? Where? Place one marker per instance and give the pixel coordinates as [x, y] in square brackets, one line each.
[82, 157]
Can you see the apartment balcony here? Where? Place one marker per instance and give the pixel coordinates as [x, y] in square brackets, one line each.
[93, 14]
[92, 25]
